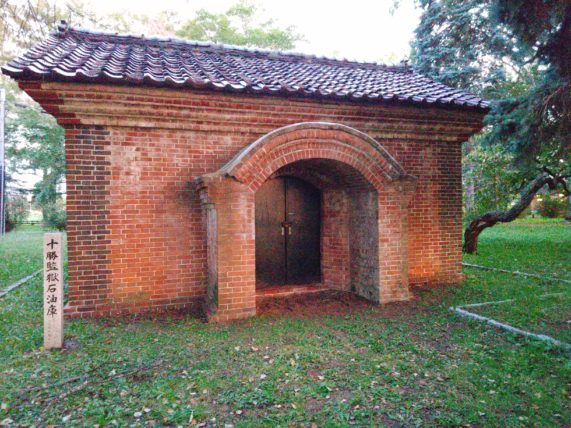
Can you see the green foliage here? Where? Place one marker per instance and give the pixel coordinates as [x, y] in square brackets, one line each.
[456, 43]
[490, 175]
[552, 206]
[542, 25]
[238, 26]
[517, 52]
[25, 23]
[54, 215]
[17, 210]
[536, 126]
[34, 141]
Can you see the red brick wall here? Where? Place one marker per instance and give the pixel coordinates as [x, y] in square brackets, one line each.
[335, 257]
[136, 229]
[89, 216]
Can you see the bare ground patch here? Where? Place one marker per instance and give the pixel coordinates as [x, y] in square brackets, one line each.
[334, 303]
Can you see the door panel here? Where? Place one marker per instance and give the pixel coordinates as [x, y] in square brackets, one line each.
[303, 210]
[287, 232]
[270, 244]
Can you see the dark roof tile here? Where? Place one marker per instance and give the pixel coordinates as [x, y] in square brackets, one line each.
[79, 55]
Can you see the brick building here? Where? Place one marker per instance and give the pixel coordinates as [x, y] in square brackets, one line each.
[198, 172]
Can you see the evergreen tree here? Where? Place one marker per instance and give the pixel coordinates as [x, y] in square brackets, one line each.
[518, 53]
[458, 44]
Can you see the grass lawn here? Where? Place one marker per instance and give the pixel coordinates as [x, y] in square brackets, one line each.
[536, 246]
[20, 255]
[548, 315]
[521, 246]
[329, 363]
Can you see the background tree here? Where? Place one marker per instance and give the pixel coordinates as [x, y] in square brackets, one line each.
[458, 44]
[490, 174]
[17, 209]
[239, 25]
[516, 52]
[25, 23]
[34, 141]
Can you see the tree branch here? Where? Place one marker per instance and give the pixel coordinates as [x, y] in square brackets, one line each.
[490, 219]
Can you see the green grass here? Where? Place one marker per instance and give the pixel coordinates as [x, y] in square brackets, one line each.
[541, 246]
[403, 365]
[20, 255]
[536, 246]
[547, 315]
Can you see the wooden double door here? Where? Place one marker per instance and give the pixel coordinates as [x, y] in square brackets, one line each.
[288, 228]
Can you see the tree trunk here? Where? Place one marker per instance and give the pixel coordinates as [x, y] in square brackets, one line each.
[489, 219]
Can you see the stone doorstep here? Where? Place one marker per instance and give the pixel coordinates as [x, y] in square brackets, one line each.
[288, 290]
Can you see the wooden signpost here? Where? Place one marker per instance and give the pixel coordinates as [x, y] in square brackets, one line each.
[53, 291]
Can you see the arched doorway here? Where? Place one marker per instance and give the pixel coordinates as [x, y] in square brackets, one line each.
[348, 225]
[364, 231]
[288, 230]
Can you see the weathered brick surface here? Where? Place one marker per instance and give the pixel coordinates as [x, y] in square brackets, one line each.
[335, 249]
[138, 229]
[364, 235]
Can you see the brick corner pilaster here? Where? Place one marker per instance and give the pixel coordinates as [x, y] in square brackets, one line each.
[231, 285]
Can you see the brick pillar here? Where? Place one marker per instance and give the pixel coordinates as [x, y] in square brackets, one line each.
[335, 258]
[88, 218]
[394, 201]
[231, 288]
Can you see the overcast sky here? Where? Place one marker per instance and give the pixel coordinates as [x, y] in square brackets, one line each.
[354, 29]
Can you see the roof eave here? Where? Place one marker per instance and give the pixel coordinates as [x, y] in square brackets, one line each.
[27, 74]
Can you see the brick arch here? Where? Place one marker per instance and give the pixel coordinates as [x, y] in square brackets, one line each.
[374, 246]
[314, 140]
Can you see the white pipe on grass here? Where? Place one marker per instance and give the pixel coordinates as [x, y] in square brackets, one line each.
[18, 283]
[532, 275]
[498, 302]
[507, 327]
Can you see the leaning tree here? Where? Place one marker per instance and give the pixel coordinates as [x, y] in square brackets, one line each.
[496, 48]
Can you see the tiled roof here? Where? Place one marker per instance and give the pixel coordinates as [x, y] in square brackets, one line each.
[78, 55]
